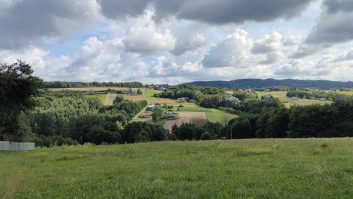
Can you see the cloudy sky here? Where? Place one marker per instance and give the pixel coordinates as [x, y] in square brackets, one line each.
[174, 41]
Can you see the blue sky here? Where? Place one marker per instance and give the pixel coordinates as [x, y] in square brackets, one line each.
[156, 41]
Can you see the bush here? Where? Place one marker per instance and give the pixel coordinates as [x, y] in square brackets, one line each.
[206, 136]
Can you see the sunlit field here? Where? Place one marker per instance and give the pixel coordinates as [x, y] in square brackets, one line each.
[268, 168]
[282, 96]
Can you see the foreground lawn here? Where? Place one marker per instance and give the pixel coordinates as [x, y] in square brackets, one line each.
[302, 168]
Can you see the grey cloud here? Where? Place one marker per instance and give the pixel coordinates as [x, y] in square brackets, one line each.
[24, 22]
[210, 11]
[346, 57]
[121, 8]
[334, 25]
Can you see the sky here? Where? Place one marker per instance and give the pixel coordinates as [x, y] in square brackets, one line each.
[176, 41]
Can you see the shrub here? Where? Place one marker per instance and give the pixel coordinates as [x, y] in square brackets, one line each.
[206, 136]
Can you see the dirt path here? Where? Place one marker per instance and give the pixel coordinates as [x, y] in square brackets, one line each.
[197, 118]
[109, 99]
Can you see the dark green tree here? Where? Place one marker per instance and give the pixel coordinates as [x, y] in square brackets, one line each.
[17, 88]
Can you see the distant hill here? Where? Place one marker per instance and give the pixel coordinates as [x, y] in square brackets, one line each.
[263, 83]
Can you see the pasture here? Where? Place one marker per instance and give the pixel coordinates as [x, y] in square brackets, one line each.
[101, 97]
[345, 92]
[213, 115]
[267, 168]
[282, 96]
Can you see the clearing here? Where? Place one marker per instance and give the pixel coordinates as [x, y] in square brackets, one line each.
[267, 168]
[282, 96]
[197, 118]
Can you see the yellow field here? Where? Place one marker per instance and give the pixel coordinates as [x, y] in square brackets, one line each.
[134, 98]
[282, 96]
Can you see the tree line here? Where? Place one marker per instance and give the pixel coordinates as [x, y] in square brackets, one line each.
[61, 84]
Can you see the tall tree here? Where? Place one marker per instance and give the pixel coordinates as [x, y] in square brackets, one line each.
[17, 87]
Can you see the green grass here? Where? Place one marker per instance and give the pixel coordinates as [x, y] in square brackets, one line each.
[282, 96]
[269, 168]
[101, 97]
[346, 92]
[213, 115]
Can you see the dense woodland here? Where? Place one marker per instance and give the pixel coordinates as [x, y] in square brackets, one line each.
[29, 113]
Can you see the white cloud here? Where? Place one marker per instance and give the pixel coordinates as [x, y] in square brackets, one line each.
[231, 52]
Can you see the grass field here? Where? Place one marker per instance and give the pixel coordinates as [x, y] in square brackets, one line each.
[213, 115]
[282, 96]
[269, 168]
[148, 95]
[101, 97]
[346, 92]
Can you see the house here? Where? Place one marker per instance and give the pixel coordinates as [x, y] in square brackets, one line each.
[153, 107]
[182, 100]
[168, 115]
[267, 97]
[294, 98]
[150, 107]
[146, 114]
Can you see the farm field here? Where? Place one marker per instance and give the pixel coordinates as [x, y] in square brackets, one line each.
[148, 95]
[101, 97]
[345, 92]
[197, 118]
[109, 99]
[84, 89]
[267, 168]
[282, 96]
[213, 115]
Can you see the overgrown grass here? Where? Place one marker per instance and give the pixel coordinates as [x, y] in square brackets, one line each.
[269, 168]
[101, 97]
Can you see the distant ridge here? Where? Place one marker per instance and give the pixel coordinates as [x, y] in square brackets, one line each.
[264, 83]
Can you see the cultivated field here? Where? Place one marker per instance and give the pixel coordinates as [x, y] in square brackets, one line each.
[109, 99]
[85, 89]
[134, 98]
[197, 118]
[268, 168]
[282, 96]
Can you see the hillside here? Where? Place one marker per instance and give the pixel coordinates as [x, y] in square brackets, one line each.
[263, 83]
[268, 168]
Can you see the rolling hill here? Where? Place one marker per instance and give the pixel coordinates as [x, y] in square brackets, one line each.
[263, 83]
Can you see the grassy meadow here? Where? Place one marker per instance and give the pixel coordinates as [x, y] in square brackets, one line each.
[267, 168]
[346, 92]
[282, 96]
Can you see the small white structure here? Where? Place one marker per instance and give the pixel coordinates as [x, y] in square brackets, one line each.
[16, 146]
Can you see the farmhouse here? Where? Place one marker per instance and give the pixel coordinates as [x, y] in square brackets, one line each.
[267, 97]
[153, 107]
[182, 100]
[146, 114]
[168, 115]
